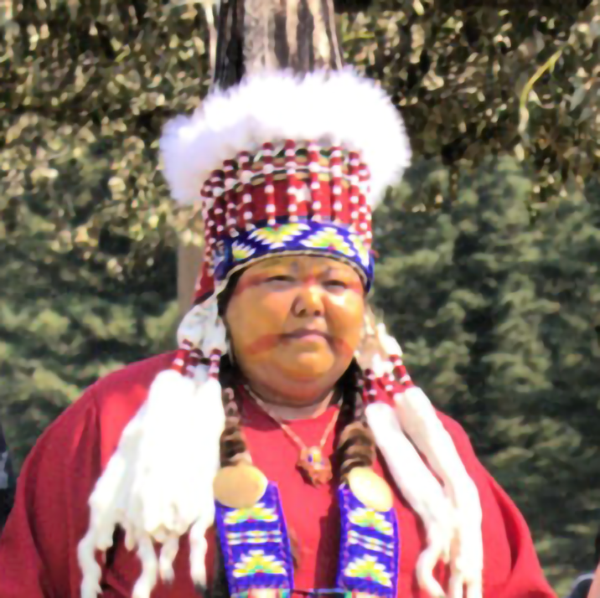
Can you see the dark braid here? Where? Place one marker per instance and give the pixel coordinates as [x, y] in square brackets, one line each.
[356, 445]
[233, 445]
[233, 450]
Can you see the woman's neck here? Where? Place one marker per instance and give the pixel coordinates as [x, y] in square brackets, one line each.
[286, 408]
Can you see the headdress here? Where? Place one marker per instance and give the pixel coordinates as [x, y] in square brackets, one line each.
[282, 163]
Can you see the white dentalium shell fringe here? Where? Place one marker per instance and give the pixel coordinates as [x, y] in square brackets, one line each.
[420, 488]
[158, 484]
[416, 420]
[419, 419]
[325, 107]
[203, 328]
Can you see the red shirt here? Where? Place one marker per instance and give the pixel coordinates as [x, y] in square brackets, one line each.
[38, 556]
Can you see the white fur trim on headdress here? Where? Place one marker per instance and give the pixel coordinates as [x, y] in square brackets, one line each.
[325, 107]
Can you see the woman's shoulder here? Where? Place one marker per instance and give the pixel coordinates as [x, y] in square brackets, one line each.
[121, 390]
[118, 396]
[104, 408]
[129, 384]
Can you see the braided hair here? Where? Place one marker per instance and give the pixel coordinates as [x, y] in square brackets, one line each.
[356, 444]
[233, 451]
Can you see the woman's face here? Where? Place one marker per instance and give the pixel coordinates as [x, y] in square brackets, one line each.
[295, 323]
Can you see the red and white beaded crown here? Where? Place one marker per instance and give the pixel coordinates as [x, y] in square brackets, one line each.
[286, 164]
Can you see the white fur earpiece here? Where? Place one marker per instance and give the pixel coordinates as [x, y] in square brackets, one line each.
[451, 511]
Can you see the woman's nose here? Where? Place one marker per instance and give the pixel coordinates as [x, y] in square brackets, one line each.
[309, 301]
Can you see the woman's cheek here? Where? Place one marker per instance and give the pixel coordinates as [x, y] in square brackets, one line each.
[346, 330]
[347, 312]
[276, 308]
[258, 328]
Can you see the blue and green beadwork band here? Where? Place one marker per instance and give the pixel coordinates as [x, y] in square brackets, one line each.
[293, 238]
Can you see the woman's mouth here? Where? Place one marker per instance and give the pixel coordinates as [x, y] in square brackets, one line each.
[307, 334]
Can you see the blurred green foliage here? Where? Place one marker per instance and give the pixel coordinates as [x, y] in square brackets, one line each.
[489, 248]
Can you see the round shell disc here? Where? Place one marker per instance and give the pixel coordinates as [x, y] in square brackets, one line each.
[239, 486]
[371, 489]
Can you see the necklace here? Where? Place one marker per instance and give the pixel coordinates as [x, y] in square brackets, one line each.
[311, 461]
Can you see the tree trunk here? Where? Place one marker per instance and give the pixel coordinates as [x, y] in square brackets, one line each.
[258, 35]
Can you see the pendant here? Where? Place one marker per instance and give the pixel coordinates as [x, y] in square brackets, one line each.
[314, 466]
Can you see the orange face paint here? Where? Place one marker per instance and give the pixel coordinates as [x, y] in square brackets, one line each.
[295, 323]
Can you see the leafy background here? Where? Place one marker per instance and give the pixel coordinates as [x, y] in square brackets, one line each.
[489, 249]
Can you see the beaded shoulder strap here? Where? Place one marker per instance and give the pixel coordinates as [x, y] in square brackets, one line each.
[255, 546]
[369, 548]
[257, 554]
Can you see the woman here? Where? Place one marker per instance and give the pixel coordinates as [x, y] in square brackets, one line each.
[283, 448]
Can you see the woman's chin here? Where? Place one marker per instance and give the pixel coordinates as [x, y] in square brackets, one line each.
[308, 368]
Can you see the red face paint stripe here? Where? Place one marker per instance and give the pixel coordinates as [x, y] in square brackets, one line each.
[262, 344]
[248, 281]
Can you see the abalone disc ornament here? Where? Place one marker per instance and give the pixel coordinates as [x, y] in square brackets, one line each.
[239, 486]
[371, 489]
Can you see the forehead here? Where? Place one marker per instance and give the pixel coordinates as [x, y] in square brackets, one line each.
[301, 263]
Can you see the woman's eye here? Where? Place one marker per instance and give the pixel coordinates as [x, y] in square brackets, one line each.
[336, 284]
[280, 278]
